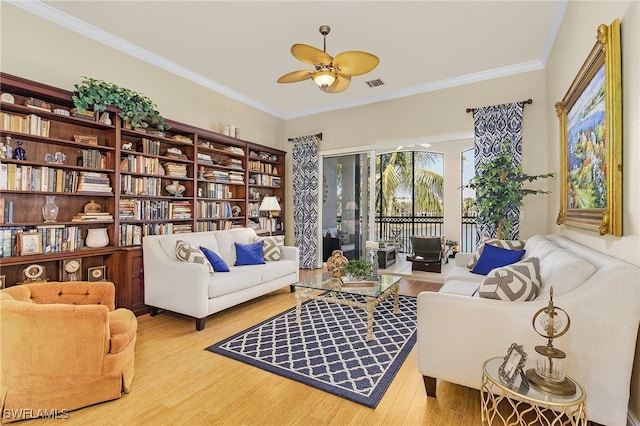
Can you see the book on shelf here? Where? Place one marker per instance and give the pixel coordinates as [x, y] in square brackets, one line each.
[87, 217]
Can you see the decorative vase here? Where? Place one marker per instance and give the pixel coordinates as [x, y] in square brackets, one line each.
[97, 237]
[335, 263]
[50, 210]
[175, 188]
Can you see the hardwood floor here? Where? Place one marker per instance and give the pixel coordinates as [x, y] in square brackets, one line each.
[177, 382]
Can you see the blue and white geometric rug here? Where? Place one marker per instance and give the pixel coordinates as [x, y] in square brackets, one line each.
[328, 350]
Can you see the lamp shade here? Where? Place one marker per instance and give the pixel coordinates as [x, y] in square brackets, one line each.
[324, 78]
[269, 204]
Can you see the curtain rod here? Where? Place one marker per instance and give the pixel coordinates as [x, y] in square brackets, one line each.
[528, 101]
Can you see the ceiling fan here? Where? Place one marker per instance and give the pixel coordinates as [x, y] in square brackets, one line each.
[332, 75]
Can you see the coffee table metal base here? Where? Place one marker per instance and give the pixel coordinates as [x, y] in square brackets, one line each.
[369, 305]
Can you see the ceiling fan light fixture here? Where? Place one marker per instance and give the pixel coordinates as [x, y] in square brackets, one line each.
[324, 78]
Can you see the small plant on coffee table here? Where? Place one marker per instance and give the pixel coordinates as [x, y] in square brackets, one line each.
[359, 269]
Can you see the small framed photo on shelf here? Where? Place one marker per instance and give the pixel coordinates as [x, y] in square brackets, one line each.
[97, 273]
[29, 244]
[514, 362]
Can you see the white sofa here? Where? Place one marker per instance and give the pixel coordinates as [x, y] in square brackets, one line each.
[457, 333]
[187, 288]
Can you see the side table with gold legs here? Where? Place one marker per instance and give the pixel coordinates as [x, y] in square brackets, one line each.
[525, 405]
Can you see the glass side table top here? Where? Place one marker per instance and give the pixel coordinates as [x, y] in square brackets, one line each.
[323, 282]
[530, 392]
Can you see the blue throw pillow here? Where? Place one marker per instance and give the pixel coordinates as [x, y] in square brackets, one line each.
[249, 254]
[218, 263]
[494, 257]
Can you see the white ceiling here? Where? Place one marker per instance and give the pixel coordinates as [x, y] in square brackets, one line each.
[240, 48]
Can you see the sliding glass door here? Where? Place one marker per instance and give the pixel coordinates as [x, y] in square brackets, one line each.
[345, 204]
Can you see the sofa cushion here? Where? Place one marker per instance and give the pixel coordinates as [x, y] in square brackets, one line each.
[226, 238]
[517, 282]
[239, 278]
[495, 257]
[505, 244]
[218, 263]
[563, 271]
[272, 270]
[538, 246]
[249, 254]
[462, 288]
[187, 253]
[271, 248]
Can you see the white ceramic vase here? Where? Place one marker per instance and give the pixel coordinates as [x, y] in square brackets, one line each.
[97, 237]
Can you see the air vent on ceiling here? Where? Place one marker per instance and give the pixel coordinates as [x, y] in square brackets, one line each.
[375, 83]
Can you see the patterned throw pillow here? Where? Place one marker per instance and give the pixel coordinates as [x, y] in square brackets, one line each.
[271, 249]
[505, 244]
[186, 253]
[517, 282]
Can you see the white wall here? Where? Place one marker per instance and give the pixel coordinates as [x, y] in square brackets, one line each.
[440, 118]
[39, 50]
[574, 42]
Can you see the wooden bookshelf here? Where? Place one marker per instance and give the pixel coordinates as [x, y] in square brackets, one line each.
[224, 180]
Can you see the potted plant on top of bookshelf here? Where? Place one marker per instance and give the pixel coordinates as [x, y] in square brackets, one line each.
[499, 187]
[135, 108]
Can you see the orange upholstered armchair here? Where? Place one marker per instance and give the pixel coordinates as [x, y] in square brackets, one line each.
[63, 346]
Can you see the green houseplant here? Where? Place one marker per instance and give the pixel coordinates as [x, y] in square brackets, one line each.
[357, 268]
[499, 187]
[135, 108]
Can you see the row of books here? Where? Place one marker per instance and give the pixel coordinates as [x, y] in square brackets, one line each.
[49, 179]
[6, 211]
[139, 164]
[234, 163]
[93, 158]
[30, 124]
[217, 225]
[131, 235]
[18, 241]
[224, 177]
[265, 180]
[175, 169]
[259, 166]
[214, 190]
[149, 146]
[235, 150]
[92, 217]
[214, 210]
[132, 185]
[129, 209]
[179, 210]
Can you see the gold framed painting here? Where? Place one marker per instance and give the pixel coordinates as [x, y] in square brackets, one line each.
[591, 140]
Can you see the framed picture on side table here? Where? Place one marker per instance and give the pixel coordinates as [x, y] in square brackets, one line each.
[514, 362]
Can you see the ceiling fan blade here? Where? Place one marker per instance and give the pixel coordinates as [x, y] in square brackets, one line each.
[341, 84]
[310, 55]
[295, 76]
[355, 62]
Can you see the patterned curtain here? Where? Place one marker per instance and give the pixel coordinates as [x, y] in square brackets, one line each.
[306, 172]
[493, 125]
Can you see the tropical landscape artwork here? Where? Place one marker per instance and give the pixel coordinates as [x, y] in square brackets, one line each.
[587, 178]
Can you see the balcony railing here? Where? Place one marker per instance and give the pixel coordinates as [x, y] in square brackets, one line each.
[397, 230]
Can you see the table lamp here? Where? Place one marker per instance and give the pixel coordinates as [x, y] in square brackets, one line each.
[269, 204]
[551, 322]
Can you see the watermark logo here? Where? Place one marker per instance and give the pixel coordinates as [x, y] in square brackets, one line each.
[29, 413]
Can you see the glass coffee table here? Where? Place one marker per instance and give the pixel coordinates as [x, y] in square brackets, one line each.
[373, 293]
